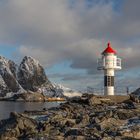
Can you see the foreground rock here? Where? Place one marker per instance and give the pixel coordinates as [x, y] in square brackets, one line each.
[17, 126]
[86, 118]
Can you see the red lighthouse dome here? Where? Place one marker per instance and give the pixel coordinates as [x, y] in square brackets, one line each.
[109, 49]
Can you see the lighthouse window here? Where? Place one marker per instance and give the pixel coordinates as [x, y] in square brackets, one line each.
[109, 81]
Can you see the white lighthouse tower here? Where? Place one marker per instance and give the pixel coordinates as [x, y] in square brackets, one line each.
[109, 63]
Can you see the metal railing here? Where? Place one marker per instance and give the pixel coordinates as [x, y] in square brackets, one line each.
[118, 90]
[103, 62]
[118, 62]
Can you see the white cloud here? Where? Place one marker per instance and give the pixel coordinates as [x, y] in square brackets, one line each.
[55, 30]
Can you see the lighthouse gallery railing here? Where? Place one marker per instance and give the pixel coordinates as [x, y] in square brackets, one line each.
[101, 63]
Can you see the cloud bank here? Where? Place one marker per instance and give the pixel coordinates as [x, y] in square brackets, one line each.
[77, 31]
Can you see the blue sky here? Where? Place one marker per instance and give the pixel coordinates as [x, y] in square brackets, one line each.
[67, 37]
[6, 50]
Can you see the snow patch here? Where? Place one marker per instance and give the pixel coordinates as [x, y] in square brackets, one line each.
[67, 92]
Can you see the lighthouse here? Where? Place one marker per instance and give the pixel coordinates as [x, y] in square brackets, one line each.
[109, 62]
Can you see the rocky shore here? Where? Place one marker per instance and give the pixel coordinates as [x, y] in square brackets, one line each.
[32, 97]
[83, 118]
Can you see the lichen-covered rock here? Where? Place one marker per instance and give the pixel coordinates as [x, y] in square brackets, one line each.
[94, 100]
[16, 126]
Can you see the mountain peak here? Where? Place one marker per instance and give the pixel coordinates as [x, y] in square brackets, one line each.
[29, 75]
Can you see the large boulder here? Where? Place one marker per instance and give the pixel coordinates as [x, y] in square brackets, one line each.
[17, 126]
[31, 75]
[94, 100]
[135, 96]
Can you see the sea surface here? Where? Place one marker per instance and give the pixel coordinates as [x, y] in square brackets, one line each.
[6, 107]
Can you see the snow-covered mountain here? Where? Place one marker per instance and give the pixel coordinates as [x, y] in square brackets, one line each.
[8, 76]
[31, 75]
[28, 76]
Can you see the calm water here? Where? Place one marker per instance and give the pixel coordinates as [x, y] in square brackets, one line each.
[7, 107]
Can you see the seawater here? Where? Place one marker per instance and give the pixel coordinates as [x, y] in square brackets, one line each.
[6, 107]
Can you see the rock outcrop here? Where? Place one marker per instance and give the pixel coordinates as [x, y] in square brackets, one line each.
[16, 126]
[135, 96]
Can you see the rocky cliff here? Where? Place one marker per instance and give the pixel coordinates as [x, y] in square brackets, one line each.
[28, 76]
[8, 78]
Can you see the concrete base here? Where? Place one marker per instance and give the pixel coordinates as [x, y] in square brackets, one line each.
[115, 98]
[109, 91]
